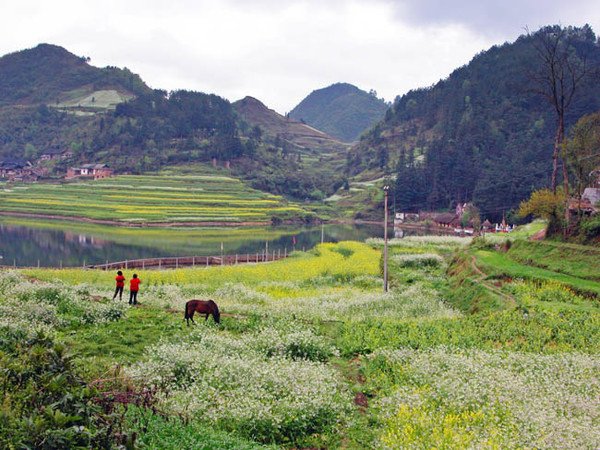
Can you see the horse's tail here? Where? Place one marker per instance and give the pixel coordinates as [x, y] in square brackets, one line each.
[186, 314]
[215, 311]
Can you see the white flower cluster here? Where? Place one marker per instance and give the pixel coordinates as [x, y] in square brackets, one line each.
[343, 304]
[287, 340]
[165, 296]
[243, 294]
[44, 306]
[246, 384]
[419, 241]
[532, 401]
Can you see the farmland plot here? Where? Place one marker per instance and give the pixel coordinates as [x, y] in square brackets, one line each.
[151, 199]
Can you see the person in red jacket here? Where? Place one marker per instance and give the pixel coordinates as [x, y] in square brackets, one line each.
[134, 287]
[120, 279]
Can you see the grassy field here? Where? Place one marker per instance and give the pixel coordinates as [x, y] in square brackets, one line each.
[581, 261]
[501, 265]
[146, 199]
[103, 99]
[311, 353]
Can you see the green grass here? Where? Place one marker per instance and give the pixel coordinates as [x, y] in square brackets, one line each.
[151, 198]
[103, 99]
[464, 288]
[521, 232]
[174, 434]
[581, 261]
[124, 341]
[499, 265]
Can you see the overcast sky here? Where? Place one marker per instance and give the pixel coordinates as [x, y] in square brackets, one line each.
[279, 50]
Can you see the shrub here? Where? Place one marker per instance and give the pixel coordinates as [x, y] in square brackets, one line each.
[420, 260]
[590, 228]
[45, 404]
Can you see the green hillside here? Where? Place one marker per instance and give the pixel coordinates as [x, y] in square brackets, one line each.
[50, 74]
[341, 110]
[482, 134]
[287, 157]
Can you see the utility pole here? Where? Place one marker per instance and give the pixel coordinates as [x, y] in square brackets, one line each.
[386, 189]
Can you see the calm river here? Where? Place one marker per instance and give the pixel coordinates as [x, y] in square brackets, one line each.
[55, 244]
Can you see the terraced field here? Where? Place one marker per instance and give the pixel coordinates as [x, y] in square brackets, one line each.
[200, 199]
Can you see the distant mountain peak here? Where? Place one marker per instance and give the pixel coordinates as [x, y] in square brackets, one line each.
[250, 99]
[342, 110]
[49, 48]
[252, 102]
[339, 88]
[255, 112]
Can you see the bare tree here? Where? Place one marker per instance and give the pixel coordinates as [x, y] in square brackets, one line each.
[561, 71]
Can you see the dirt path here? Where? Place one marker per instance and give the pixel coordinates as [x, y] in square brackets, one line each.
[490, 286]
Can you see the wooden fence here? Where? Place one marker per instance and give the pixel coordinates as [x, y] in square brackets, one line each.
[191, 261]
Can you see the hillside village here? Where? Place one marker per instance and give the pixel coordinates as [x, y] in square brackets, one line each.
[22, 170]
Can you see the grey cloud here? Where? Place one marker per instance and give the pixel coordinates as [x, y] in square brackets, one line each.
[494, 18]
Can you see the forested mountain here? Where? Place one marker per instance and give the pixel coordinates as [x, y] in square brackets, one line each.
[341, 110]
[50, 74]
[54, 99]
[289, 157]
[484, 133]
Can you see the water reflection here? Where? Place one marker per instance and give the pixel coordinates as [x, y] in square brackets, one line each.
[53, 245]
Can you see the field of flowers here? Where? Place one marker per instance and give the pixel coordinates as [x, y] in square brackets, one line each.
[146, 199]
[312, 353]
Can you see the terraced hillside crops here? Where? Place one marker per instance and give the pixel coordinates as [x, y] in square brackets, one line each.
[200, 199]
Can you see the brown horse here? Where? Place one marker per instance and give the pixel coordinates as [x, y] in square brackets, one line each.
[205, 307]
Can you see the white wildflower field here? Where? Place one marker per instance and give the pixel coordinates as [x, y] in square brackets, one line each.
[477, 399]
[311, 353]
[266, 386]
